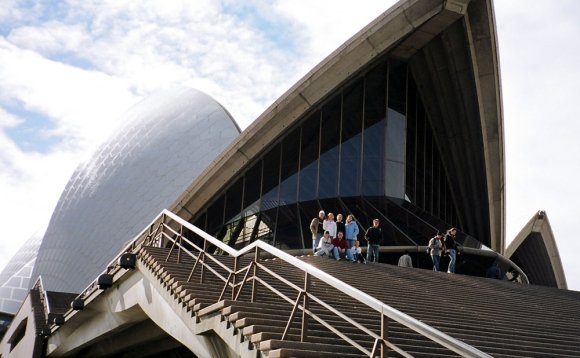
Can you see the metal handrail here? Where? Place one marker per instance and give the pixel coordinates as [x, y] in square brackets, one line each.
[423, 329]
[387, 311]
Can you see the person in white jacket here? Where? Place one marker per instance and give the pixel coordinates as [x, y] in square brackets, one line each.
[325, 246]
[355, 253]
[435, 247]
[330, 225]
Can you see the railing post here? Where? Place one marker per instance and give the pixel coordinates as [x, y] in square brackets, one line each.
[180, 244]
[202, 273]
[254, 281]
[236, 261]
[162, 224]
[384, 335]
[149, 237]
[304, 328]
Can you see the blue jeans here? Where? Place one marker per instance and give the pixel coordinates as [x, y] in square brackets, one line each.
[350, 243]
[436, 260]
[336, 253]
[316, 242]
[373, 253]
[452, 258]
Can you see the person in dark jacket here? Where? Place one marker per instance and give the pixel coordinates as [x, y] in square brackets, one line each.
[317, 230]
[374, 237]
[494, 272]
[340, 246]
[340, 226]
[451, 248]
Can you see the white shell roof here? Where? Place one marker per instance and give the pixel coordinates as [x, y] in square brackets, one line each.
[15, 278]
[167, 141]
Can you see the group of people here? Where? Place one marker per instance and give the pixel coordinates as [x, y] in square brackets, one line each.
[340, 239]
[444, 244]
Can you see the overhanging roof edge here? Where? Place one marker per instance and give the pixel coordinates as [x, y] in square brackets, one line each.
[539, 223]
[376, 38]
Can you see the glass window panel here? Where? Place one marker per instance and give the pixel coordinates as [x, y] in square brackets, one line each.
[410, 157]
[288, 228]
[289, 167]
[375, 95]
[200, 221]
[373, 137]
[270, 178]
[372, 173]
[396, 124]
[215, 216]
[395, 155]
[398, 86]
[429, 147]
[436, 184]
[309, 157]
[267, 225]
[350, 150]
[252, 184]
[396, 179]
[308, 211]
[330, 137]
[234, 200]
[420, 166]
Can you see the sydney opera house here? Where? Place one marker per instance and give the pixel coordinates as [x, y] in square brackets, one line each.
[183, 236]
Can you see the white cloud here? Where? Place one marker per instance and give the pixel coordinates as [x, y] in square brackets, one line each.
[82, 104]
[81, 63]
[8, 120]
[49, 38]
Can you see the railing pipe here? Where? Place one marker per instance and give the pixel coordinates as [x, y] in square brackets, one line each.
[384, 335]
[437, 336]
[389, 312]
[305, 304]
[255, 273]
[234, 275]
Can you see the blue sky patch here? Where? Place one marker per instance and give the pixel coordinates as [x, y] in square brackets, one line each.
[33, 134]
[274, 29]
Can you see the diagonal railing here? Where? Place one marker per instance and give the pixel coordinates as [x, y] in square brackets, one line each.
[168, 230]
[252, 272]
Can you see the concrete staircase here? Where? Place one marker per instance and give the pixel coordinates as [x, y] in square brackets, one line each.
[500, 318]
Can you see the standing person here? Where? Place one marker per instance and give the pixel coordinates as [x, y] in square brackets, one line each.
[351, 231]
[340, 226]
[405, 260]
[340, 247]
[374, 237]
[451, 248]
[435, 248]
[317, 230]
[329, 225]
[355, 253]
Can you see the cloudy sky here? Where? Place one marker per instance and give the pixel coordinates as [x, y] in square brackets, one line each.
[69, 69]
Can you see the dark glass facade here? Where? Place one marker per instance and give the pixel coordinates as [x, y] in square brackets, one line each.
[368, 149]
